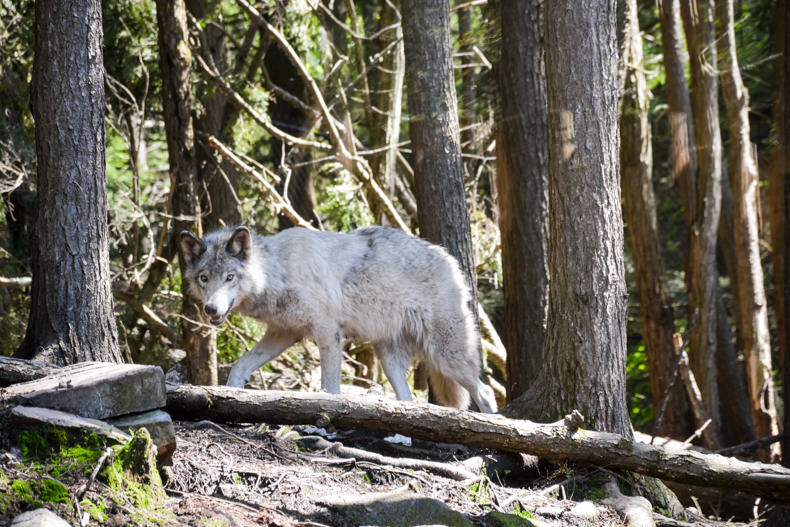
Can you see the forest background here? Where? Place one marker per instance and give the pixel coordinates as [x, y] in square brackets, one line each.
[304, 113]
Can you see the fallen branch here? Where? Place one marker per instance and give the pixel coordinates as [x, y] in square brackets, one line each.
[13, 371]
[447, 470]
[22, 281]
[553, 442]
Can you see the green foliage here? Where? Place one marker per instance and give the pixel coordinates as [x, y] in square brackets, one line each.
[344, 204]
[640, 402]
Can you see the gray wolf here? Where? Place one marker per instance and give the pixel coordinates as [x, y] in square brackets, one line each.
[376, 284]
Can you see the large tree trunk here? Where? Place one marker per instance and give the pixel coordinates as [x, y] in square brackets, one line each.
[701, 38]
[636, 160]
[584, 361]
[71, 317]
[433, 129]
[522, 189]
[751, 308]
[175, 62]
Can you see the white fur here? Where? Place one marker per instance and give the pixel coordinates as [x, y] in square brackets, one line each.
[378, 284]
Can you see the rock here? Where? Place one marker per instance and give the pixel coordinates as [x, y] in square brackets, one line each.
[39, 518]
[501, 519]
[25, 416]
[95, 389]
[395, 509]
[159, 425]
[585, 510]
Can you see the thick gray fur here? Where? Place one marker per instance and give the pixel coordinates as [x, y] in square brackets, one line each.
[375, 284]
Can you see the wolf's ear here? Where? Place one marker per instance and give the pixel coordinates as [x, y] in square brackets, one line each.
[240, 243]
[192, 247]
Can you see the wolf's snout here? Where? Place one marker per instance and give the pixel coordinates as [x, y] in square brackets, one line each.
[210, 309]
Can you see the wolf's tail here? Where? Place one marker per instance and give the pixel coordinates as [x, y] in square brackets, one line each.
[447, 391]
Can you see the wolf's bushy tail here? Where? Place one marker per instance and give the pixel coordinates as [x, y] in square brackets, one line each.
[447, 391]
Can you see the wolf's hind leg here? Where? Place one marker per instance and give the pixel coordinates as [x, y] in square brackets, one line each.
[274, 342]
[395, 365]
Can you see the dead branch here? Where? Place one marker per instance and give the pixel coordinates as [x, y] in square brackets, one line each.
[148, 314]
[554, 442]
[22, 281]
[447, 470]
[275, 196]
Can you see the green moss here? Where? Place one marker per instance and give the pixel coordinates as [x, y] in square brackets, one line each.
[37, 492]
[96, 510]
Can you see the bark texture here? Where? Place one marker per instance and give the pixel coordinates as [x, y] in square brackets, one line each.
[522, 189]
[636, 160]
[751, 305]
[434, 133]
[555, 442]
[584, 361]
[71, 316]
[701, 39]
[175, 61]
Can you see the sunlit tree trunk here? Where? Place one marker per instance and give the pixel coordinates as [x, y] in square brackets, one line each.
[522, 189]
[584, 360]
[175, 61]
[71, 316]
[636, 161]
[701, 38]
[751, 308]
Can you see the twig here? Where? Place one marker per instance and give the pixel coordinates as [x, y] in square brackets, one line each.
[751, 445]
[247, 170]
[99, 464]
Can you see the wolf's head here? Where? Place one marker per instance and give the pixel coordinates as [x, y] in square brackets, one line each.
[218, 269]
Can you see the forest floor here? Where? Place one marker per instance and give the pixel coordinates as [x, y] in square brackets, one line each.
[286, 476]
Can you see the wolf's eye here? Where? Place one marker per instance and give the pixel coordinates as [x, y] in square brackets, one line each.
[203, 278]
[229, 278]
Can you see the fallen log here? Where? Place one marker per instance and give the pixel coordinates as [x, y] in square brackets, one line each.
[13, 371]
[554, 442]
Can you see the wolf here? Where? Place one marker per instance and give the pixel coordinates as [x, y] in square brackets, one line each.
[405, 295]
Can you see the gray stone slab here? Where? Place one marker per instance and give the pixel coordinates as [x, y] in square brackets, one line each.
[160, 427]
[25, 416]
[95, 389]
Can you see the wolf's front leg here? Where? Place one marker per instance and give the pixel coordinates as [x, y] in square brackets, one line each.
[274, 342]
[330, 347]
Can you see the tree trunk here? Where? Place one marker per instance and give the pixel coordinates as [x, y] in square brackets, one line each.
[219, 178]
[522, 189]
[783, 117]
[584, 361]
[175, 63]
[684, 155]
[71, 316]
[385, 129]
[701, 38]
[751, 308]
[556, 442]
[433, 129]
[636, 160]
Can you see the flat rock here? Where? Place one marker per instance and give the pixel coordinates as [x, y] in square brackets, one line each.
[95, 389]
[395, 509]
[25, 416]
[159, 426]
[39, 518]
